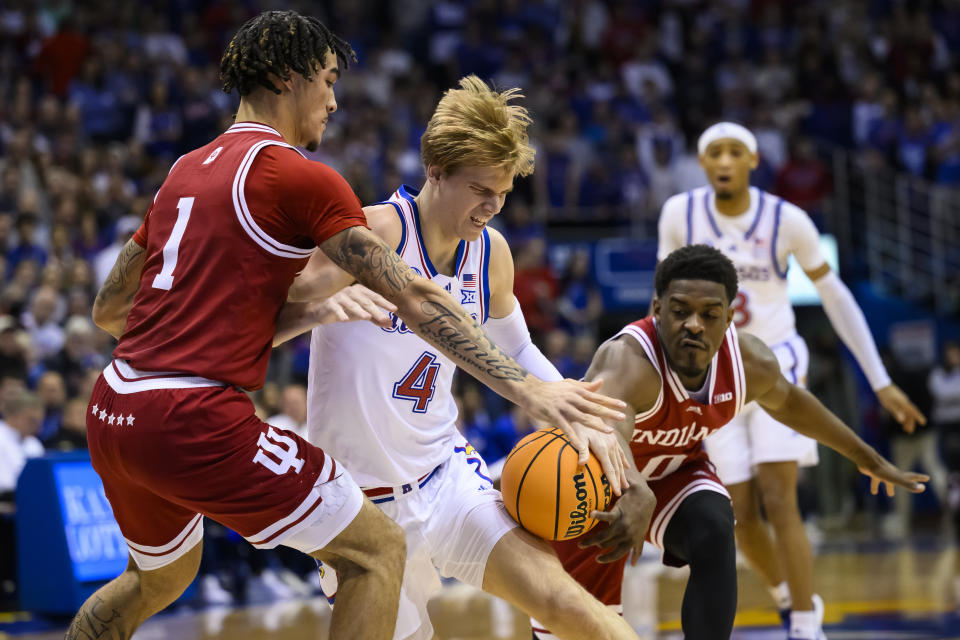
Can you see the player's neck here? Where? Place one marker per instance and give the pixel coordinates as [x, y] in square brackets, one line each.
[441, 245]
[734, 205]
[265, 112]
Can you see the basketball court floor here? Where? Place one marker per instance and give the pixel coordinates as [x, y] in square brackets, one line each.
[873, 591]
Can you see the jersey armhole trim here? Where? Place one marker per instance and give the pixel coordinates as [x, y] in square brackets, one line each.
[761, 205]
[485, 276]
[689, 218]
[773, 242]
[739, 376]
[648, 348]
[403, 226]
[710, 218]
[246, 219]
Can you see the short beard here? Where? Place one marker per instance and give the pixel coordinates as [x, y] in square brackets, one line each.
[723, 195]
[312, 146]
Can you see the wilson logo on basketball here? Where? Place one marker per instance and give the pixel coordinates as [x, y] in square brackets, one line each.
[579, 514]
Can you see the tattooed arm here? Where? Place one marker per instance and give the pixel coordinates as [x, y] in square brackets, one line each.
[115, 297]
[434, 316]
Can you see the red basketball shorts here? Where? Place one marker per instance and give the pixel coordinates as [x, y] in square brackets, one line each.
[171, 448]
[604, 580]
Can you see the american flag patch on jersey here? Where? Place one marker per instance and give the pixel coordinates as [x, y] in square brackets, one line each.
[469, 281]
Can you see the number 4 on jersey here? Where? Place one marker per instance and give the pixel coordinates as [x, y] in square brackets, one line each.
[418, 384]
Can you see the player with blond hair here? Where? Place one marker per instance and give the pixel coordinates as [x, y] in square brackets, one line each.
[198, 297]
[394, 390]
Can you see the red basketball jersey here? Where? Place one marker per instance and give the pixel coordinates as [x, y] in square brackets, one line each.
[229, 229]
[670, 433]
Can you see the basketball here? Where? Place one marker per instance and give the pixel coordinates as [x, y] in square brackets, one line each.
[547, 492]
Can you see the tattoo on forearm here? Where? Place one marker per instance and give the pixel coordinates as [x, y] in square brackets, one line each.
[368, 259]
[463, 339]
[124, 276]
[449, 327]
[94, 620]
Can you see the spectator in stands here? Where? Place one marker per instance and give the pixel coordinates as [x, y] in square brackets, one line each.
[103, 262]
[42, 321]
[804, 180]
[535, 286]
[580, 303]
[584, 346]
[293, 413]
[79, 355]
[53, 394]
[909, 449]
[73, 429]
[27, 247]
[944, 385]
[22, 415]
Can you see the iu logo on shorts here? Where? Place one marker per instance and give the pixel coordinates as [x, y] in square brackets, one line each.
[280, 455]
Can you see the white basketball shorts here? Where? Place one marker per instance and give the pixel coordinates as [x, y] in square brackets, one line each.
[753, 437]
[453, 517]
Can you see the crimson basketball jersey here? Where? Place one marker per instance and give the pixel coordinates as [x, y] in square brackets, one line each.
[228, 231]
[670, 433]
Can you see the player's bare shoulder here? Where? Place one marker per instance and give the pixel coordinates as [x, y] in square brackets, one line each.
[627, 372]
[501, 257]
[760, 366]
[383, 220]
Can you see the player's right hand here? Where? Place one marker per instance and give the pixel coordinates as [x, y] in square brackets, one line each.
[883, 471]
[628, 522]
[568, 404]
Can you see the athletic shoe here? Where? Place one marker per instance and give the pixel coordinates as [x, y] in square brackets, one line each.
[818, 609]
[213, 592]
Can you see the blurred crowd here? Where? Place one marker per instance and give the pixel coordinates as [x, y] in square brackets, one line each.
[97, 99]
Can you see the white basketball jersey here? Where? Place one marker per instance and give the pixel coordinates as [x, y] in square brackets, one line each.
[754, 243]
[380, 400]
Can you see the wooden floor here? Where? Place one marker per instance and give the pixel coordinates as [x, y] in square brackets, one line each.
[872, 591]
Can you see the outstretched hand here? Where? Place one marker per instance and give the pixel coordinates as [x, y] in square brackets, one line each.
[882, 471]
[900, 407]
[571, 405]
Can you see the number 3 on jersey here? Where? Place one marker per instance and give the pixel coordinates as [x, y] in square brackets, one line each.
[741, 311]
[418, 384]
[164, 279]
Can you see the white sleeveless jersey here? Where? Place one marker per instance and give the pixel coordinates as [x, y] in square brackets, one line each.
[759, 242]
[380, 400]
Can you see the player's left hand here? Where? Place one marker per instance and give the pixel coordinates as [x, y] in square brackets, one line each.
[898, 404]
[880, 470]
[627, 522]
[353, 303]
[606, 448]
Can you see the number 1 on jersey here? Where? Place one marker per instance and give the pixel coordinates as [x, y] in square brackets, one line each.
[418, 384]
[164, 279]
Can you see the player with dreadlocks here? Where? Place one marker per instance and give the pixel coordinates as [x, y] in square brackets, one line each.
[198, 297]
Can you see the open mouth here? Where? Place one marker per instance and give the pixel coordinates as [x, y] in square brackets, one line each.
[724, 180]
[480, 222]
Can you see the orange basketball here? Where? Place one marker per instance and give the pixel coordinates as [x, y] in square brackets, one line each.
[547, 492]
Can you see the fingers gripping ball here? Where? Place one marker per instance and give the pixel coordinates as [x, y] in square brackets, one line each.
[547, 492]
